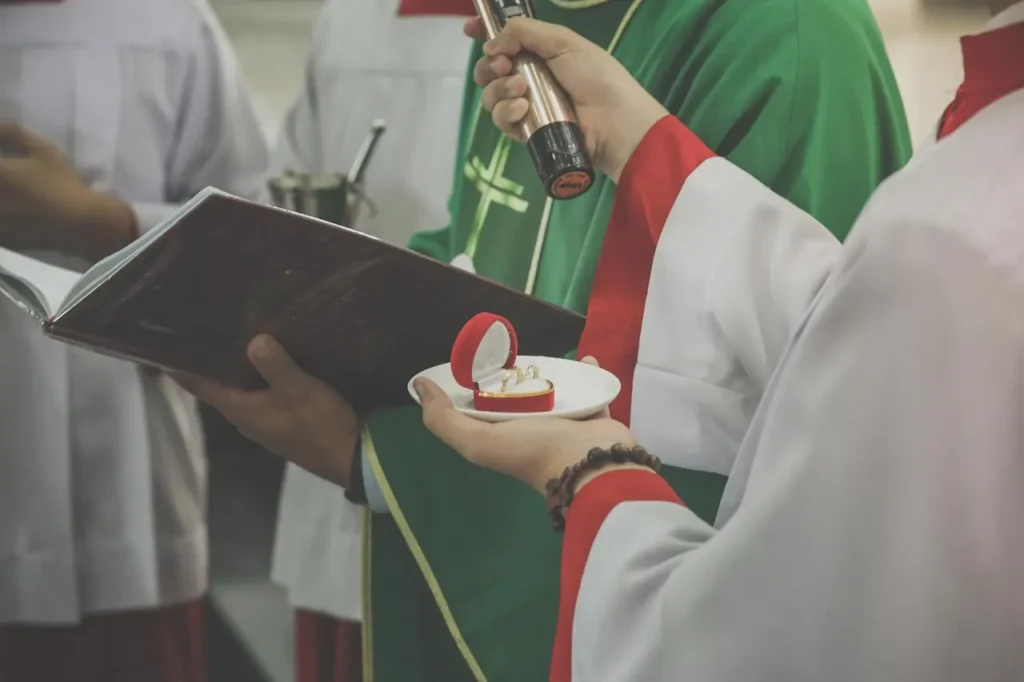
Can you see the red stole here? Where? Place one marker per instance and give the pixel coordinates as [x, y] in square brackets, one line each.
[459, 8]
[993, 68]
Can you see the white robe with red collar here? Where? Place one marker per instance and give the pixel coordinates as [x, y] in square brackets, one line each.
[865, 401]
[102, 465]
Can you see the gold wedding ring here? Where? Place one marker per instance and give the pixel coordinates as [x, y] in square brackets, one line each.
[506, 377]
[520, 374]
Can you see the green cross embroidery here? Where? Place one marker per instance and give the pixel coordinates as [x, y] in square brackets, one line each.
[494, 188]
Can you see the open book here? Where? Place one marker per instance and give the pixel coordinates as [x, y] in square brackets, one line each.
[357, 312]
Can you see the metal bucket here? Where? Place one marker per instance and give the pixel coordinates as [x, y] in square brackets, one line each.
[327, 196]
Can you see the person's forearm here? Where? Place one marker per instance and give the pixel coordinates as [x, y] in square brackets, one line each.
[638, 118]
[103, 225]
[99, 226]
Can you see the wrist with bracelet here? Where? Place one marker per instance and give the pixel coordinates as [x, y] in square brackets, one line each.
[562, 490]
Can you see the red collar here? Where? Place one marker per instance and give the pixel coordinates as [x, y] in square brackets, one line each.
[458, 8]
[994, 61]
[993, 68]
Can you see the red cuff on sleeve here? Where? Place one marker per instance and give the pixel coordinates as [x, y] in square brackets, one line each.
[650, 184]
[656, 172]
[458, 8]
[586, 515]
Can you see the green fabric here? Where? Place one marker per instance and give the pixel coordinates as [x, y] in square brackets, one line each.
[797, 92]
[425, 650]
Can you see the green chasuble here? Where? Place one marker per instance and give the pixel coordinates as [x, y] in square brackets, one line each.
[463, 575]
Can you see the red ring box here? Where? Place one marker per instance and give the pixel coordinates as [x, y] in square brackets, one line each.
[481, 355]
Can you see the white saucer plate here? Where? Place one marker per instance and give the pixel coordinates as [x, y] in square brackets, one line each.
[581, 390]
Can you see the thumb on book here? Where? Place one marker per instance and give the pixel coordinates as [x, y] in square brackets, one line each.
[275, 365]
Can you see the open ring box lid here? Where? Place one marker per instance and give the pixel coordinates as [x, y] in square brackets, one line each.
[482, 355]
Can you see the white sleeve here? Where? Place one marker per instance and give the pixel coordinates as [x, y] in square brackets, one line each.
[733, 272]
[219, 142]
[880, 534]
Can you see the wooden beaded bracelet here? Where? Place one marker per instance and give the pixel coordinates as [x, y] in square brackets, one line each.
[561, 490]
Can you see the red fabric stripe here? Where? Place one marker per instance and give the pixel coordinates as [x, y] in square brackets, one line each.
[648, 188]
[459, 8]
[327, 649]
[165, 644]
[993, 68]
[584, 519]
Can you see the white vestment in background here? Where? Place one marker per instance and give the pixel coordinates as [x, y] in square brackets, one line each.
[102, 467]
[366, 63]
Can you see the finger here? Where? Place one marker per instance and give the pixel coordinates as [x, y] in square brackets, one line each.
[19, 145]
[547, 41]
[224, 399]
[475, 28]
[19, 140]
[463, 434]
[488, 69]
[11, 169]
[191, 383]
[508, 114]
[509, 88]
[431, 395]
[274, 364]
[605, 413]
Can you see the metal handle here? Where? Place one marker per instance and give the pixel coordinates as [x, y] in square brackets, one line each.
[362, 160]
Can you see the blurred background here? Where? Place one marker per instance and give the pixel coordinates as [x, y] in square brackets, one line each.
[271, 37]
[251, 623]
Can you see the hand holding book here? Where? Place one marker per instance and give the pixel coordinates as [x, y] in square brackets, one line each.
[359, 315]
[297, 416]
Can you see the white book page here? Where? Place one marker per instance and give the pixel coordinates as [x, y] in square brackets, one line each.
[48, 284]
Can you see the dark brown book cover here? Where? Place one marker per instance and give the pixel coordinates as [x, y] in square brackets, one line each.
[357, 312]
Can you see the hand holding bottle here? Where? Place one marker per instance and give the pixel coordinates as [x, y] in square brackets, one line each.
[614, 111]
